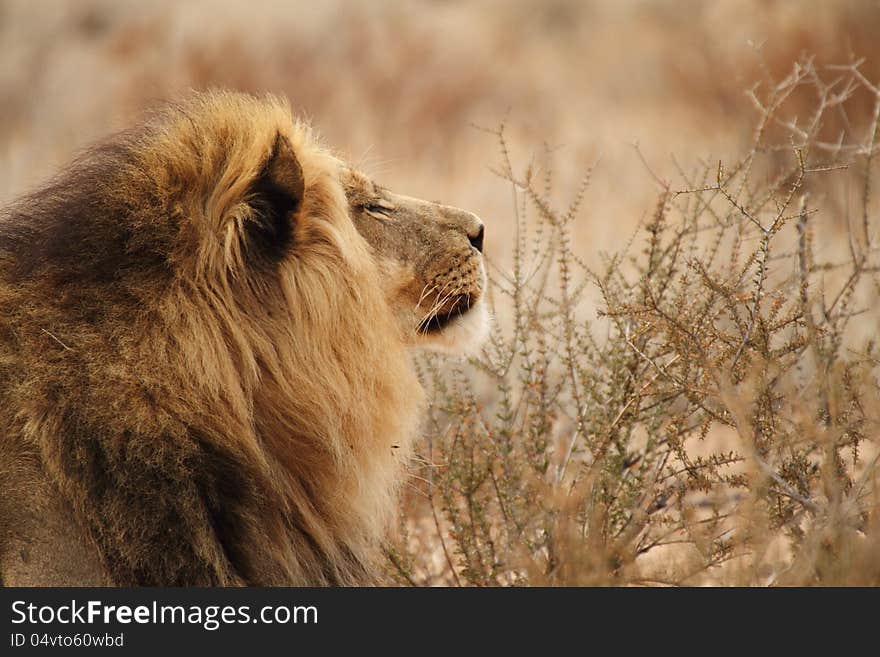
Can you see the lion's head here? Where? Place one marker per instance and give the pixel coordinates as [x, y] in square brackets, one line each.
[431, 260]
[282, 202]
[205, 336]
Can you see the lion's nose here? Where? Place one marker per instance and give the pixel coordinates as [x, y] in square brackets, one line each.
[477, 239]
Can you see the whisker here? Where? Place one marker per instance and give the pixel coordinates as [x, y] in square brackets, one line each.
[426, 319]
[425, 292]
[437, 302]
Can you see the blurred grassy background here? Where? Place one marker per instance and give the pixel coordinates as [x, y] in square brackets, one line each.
[398, 86]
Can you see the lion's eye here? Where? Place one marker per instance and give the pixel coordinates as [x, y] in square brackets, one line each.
[380, 208]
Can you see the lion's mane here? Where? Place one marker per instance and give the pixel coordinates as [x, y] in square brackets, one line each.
[204, 372]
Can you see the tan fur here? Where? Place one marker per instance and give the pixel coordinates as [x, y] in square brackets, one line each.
[187, 394]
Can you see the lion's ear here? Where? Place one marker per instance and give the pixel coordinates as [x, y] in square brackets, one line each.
[276, 196]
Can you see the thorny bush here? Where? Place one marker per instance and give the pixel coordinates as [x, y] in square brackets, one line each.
[718, 422]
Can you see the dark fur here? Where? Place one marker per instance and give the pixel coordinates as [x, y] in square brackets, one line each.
[204, 377]
[81, 261]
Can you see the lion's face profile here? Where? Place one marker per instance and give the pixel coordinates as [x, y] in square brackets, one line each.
[205, 369]
[431, 263]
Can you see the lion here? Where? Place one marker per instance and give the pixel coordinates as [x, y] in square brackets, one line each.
[207, 326]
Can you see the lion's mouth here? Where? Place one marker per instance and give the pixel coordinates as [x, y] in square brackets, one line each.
[440, 320]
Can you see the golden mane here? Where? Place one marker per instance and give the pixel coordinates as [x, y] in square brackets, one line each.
[251, 412]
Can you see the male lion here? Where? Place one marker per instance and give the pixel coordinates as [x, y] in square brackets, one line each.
[205, 376]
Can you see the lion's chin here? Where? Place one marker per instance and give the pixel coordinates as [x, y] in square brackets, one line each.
[460, 334]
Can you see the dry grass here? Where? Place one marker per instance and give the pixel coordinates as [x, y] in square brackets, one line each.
[714, 421]
[719, 424]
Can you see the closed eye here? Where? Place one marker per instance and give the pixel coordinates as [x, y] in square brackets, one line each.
[381, 209]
